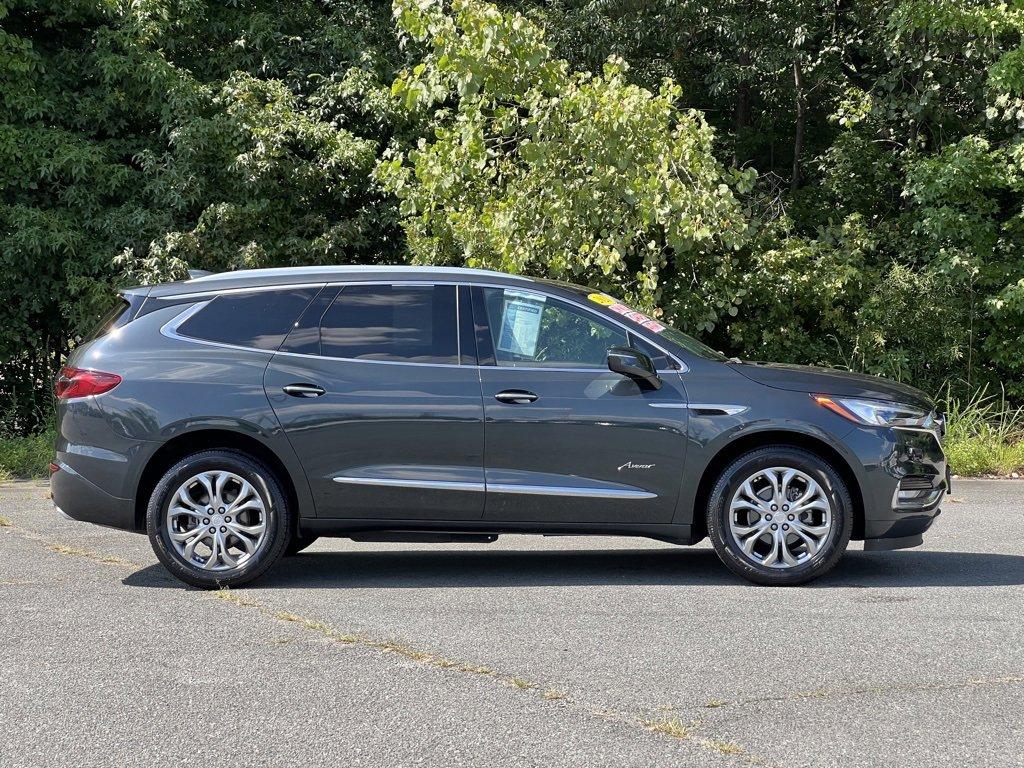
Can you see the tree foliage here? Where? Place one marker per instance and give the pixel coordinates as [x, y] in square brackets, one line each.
[816, 181]
[535, 169]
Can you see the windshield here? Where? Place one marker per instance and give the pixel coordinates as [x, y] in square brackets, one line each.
[674, 335]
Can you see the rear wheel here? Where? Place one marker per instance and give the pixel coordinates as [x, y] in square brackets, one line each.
[218, 518]
[780, 516]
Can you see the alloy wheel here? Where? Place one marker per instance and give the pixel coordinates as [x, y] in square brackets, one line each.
[780, 517]
[216, 520]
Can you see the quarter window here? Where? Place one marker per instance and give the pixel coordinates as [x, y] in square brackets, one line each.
[534, 330]
[396, 323]
[259, 319]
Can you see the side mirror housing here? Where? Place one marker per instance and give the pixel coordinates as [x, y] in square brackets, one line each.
[634, 364]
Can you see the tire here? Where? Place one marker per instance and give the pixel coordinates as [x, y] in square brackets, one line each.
[298, 542]
[737, 519]
[263, 521]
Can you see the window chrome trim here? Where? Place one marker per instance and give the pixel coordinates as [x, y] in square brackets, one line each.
[170, 329]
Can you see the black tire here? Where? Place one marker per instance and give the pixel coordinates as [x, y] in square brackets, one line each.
[833, 488]
[299, 542]
[278, 518]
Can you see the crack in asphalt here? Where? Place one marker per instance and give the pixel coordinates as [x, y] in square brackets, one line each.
[665, 727]
[867, 690]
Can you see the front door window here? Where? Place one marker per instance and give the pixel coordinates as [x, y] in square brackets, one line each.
[533, 330]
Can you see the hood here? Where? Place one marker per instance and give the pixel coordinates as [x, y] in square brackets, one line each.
[829, 381]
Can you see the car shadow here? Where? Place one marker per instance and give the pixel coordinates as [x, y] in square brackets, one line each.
[612, 567]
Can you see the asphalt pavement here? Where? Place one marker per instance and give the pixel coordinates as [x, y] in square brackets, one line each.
[532, 651]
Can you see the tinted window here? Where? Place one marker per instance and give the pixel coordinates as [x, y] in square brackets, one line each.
[304, 338]
[399, 323]
[530, 329]
[259, 319]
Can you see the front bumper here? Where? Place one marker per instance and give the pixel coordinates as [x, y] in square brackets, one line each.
[905, 480]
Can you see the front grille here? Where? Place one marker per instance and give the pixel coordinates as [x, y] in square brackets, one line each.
[916, 483]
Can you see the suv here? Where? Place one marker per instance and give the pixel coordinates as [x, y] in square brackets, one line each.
[237, 417]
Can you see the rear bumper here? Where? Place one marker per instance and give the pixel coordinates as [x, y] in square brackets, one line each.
[78, 498]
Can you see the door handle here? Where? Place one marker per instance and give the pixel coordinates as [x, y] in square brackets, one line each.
[515, 397]
[303, 390]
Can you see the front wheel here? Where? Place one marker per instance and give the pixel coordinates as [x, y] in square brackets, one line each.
[218, 518]
[780, 516]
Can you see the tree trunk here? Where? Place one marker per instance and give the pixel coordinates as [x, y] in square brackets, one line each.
[742, 110]
[801, 122]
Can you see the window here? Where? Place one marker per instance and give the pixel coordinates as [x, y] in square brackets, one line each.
[530, 329]
[397, 323]
[259, 319]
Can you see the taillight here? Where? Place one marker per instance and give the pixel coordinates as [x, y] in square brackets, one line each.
[79, 382]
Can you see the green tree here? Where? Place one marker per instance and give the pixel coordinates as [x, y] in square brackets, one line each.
[538, 170]
[141, 138]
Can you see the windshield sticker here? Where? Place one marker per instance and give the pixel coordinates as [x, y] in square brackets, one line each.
[637, 317]
[520, 324]
[603, 299]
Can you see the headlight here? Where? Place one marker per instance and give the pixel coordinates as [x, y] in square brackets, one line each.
[877, 413]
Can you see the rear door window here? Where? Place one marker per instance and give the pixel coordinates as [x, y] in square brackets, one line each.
[393, 323]
[256, 319]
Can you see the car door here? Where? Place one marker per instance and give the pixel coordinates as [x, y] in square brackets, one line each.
[567, 440]
[383, 411]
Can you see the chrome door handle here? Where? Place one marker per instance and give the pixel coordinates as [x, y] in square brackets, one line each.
[303, 390]
[515, 397]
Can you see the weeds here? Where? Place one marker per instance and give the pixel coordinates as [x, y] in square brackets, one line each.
[669, 726]
[26, 457]
[984, 435]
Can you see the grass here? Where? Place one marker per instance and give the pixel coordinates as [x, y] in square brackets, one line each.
[669, 726]
[25, 457]
[984, 436]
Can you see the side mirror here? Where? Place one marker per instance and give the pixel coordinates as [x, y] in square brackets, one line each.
[634, 364]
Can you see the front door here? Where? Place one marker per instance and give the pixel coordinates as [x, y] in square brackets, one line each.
[385, 418]
[567, 440]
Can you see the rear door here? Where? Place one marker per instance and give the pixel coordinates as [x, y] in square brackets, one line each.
[568, 440]
[381, 408]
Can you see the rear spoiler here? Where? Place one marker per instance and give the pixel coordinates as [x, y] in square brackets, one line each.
[194, 273]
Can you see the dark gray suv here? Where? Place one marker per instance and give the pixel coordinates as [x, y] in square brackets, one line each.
[237, 417]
